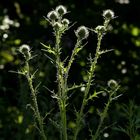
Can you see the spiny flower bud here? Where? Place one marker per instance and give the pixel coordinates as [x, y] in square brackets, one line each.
[112, 84]
[65, 22]
[25, 50]
[82, 32]
[100, 29]
[52, 15]
[108, 14]
[61, 10]
[57, 25]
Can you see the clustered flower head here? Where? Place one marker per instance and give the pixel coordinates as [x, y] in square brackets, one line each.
[112, 84]
[82, 32]
[55, 17]
[57, 13]
[108, 14]
[25, 50]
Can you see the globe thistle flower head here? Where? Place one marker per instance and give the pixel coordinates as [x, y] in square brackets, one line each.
[65, 22]
[100, 29]
[25, 50]
[108, 14]
[82, 32]
[52, 15]
[112, 84]
[61, 10]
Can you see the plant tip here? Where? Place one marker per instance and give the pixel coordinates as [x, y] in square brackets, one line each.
[82, 32]
[65, 22]
[112, 84]
[25, 50]
[57, 26]
[108, 14]
[52, 15]
[100, 29]
[61, 10]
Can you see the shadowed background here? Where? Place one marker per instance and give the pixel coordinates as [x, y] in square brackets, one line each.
[22, 22]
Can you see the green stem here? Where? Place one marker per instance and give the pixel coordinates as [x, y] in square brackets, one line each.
[62, 92]
[74, 53]
[103, 115]
[112, 94]
[34, 99]
[64, 120]
[91, 73]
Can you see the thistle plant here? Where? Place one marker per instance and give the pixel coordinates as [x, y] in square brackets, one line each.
[113, 88]
[60, 25]
[100, 31]
[25, 50]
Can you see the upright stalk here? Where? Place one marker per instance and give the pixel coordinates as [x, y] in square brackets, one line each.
[62, 89]
[88, 85]
[103, 115]
[35, 104]
[112, 95]
[74, 53]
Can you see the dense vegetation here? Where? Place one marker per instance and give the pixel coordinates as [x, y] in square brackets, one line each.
[22, 22]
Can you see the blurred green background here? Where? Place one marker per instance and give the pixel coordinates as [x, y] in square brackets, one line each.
[22, 22]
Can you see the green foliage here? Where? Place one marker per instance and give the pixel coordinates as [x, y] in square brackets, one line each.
[131, 114]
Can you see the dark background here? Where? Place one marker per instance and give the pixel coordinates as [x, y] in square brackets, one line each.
[122, 64]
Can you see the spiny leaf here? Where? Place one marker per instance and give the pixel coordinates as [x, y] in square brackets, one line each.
[17, 72]
[35, 125]
[31, 107]
[79, 48]
[55, 124]
[90, 59]
[76, 86]
[33, 75]
[48, 113]
[119, 128]
[36, 88]
[51, 60]
[106, 51]
[116, 97]
[49, 90]
[48, 49]
[95, 95]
